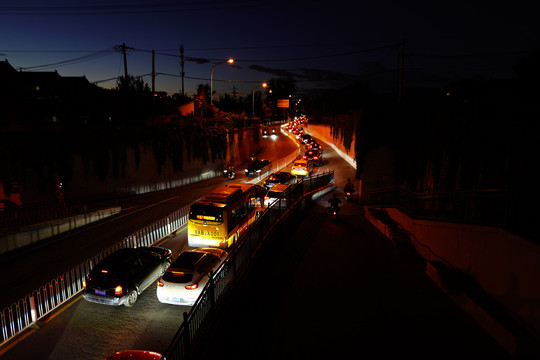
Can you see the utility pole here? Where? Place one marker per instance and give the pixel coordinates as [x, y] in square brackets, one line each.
[401, 66]
[122, 48]
[153, 72]
[125, 60]
[182, 66]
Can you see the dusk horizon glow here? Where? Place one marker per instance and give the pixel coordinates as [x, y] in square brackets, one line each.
[319, 44]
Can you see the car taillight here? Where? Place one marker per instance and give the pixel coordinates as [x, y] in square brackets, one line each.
[192, 286]
[316, 158]
[84, 284]
[304, 157]
[160, 283]
[118, 290]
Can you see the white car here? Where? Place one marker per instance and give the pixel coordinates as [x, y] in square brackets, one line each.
[187, 276]
[277, 192]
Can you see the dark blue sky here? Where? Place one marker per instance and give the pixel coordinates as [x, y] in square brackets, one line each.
[334, 41]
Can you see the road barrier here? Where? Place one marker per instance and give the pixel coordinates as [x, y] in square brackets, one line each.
[28, 310]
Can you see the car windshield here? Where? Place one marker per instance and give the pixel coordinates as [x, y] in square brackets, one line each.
[274, 194]
[178, 276]
[276, 177]
[258, 163]
[186, 260]
[299, 164]
[106, 273]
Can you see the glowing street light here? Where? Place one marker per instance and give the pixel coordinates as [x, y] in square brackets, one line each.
[253, 97]
[230, 61]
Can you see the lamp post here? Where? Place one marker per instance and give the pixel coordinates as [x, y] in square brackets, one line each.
[230, 61]
[253, 97]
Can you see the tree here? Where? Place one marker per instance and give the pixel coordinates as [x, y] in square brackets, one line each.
[135, 100]
[132, 85]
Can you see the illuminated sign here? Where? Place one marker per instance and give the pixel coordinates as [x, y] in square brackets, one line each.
[283, 103]
[206, 217]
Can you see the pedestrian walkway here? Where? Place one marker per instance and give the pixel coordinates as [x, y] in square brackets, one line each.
[330, 290]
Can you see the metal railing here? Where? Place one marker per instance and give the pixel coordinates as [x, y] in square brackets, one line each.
[14, 217]
[184, 344]
[20, 315]
[34, 306]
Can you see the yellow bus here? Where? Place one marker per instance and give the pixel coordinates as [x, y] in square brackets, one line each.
[219, 218]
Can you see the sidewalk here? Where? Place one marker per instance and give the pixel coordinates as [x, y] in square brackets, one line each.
[325, 290]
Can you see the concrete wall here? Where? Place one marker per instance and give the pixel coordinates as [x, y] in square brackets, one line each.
[145, 177]
[324, 133]
[38, 232]
[506, 266]
[378, 170]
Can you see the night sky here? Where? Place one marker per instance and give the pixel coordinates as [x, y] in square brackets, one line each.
[321, 44]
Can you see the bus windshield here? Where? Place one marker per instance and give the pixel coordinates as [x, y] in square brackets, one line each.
[206, 212]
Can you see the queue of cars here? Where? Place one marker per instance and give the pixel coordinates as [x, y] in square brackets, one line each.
[121, 277]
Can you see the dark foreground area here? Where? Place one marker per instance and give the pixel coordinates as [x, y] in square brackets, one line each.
[325, 290]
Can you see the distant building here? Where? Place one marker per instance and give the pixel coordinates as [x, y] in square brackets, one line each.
[33, 99]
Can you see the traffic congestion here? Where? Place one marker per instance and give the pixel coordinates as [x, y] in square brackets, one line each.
[215, 221]
[142, 280]
[148, 327]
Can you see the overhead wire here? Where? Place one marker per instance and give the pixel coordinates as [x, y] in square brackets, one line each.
[140, 8]
[76, 60]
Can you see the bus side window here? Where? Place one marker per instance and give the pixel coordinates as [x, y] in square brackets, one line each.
[254, 202]
[239, 212]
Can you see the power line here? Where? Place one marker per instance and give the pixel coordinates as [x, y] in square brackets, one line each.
[199, 60]
[140, 8]
[187, 77]
[76, 60]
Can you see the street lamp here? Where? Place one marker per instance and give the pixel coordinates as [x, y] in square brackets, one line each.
[253, 97]
[230, 61]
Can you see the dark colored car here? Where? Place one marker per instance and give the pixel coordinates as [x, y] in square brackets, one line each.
[315, 146]
[258, 166]
[122, 276]
[305, 138]
[314, 156]
[279, 177]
